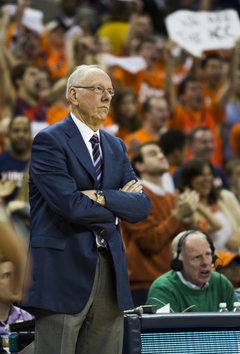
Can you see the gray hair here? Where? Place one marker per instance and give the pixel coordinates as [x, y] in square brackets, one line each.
[78, 76]
[175, 242]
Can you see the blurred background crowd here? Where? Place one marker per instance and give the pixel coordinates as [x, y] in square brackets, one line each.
[190, 106]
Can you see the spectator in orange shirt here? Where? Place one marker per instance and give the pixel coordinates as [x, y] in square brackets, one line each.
[156, 114]
[57, 61]
[232, 114]
[22, 40]
[148, 82]
[192, 114]
[59, 110]
[216, 92]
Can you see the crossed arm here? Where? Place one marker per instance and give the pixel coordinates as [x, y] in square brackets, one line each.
[130, 187]
[50, 175]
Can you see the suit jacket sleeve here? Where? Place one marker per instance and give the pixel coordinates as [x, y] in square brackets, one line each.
[130, 207]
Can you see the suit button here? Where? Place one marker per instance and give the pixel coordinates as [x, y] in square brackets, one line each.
[94, 248]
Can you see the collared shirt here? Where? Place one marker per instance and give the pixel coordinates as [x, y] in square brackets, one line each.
[191, 285]
[153, 187]
[15, 314]
[86, 133]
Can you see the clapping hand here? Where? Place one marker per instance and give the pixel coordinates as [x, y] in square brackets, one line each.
[6, 188]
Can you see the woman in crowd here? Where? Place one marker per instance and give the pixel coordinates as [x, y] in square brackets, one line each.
[219, 211]
[124, 117]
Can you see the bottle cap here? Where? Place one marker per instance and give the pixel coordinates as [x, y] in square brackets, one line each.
[223, 304]
[236, 304]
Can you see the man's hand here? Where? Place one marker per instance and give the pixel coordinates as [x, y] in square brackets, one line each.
[132, 187]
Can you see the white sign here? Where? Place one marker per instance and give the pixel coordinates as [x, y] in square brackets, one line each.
[130, 64]
[200, 31]
[33, 20]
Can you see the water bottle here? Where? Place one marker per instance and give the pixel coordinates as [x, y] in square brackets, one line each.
[223, 307]
[236, 307]
[5, 341]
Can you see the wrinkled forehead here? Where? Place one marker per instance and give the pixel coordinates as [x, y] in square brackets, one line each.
[196, 244]
[96, 77]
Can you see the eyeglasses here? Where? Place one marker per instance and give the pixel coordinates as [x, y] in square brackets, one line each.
[99, 90]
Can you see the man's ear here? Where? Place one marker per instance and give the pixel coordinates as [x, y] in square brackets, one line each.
[139, 166]
[73, 96]
[18, 83]
[182, 98]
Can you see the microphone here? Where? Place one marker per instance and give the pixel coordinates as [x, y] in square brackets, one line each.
[142, 309]
[137, 310]
[220, 266]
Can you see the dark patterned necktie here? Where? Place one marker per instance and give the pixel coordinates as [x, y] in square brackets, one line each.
[97, 162]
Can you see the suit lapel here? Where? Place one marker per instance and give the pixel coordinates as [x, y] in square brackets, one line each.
[78, 147]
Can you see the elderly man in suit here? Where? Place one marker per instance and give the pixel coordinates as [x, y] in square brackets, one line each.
[81, 183]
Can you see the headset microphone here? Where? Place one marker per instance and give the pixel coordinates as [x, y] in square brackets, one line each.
[220, 266]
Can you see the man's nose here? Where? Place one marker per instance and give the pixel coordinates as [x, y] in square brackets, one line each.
[106, 96]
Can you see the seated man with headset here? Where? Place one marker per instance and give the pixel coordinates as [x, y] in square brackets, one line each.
[192, 285]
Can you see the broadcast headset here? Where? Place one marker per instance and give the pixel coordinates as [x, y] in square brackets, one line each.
[177, 264]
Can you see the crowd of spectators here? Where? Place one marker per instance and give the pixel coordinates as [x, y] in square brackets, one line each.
[189, 108]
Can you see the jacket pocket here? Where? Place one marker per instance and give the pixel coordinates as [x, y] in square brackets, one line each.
[48, 242]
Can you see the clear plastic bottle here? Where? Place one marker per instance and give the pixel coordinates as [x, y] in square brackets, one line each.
[236, 307]
[223, 307]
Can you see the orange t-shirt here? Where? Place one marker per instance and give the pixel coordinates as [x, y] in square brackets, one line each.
[57, 63]
[143, 83]
[235, 139]
[146, 84]
[141, 136]
[188, 120]
[211, 104]
[113, 127]
[56, 113]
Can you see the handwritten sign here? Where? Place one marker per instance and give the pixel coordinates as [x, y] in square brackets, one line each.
[200, 31]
